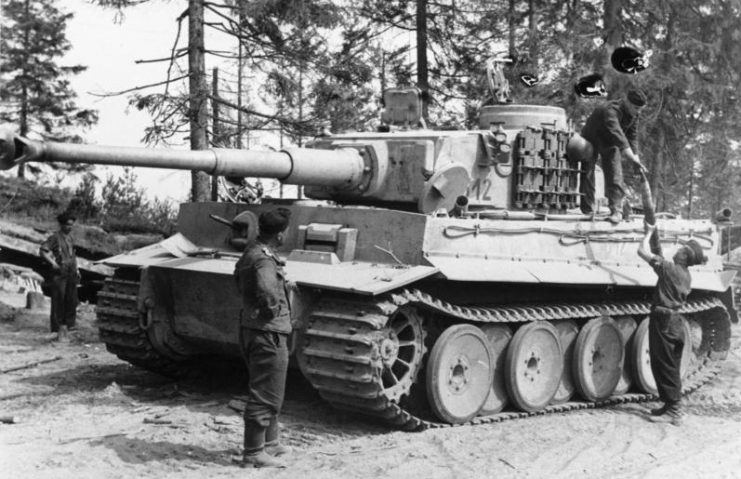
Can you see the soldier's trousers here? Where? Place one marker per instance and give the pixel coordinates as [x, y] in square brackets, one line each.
[666, 341]
[612, 169]
[266, 355]
[63, 301]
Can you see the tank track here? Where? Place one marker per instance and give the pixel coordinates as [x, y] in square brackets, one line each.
[346, 375]
[120, 328]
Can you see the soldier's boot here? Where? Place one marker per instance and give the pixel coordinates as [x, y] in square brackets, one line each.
[272, 440]
[627, 210]
[672, 414]
[254, 449]
[63, 335]
[659, 410]
[615, 218]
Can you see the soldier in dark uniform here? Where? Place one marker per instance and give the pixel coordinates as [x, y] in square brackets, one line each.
[59, 252]
[612, 129]
[264, 330]
[665, 331]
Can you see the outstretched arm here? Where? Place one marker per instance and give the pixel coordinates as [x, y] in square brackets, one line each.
[630, 155]
[644, 250]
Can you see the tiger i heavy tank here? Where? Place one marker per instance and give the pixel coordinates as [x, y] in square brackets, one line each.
[440, 277]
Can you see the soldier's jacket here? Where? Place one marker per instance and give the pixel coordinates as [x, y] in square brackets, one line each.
[610, 125]
[61, 247]
[261, 282]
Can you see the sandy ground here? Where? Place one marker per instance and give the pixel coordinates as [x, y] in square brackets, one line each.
[90, 415]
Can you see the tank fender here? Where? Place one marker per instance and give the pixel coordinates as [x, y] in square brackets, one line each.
[153, 318]
[302, 301]
[727, 298]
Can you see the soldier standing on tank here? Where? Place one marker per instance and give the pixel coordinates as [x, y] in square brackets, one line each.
[59, 252]
[612, 129]
[264, 330]
[665, 330]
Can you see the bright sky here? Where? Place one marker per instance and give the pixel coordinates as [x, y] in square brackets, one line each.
[110, 47]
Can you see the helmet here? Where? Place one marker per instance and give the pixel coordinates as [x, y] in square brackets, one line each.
[629, 60]
[579, 149]
[591, 86]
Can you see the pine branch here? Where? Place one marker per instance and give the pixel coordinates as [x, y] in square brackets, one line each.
[181, 52]
[139, 88]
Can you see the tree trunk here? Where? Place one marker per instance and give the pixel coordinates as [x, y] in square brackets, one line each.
[613, 36]
[533, 35]
[512, 27]
[198, 96]
[217, 137]
[23, 120]
[422, 77]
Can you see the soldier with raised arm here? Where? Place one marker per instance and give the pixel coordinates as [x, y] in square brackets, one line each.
[665, 330]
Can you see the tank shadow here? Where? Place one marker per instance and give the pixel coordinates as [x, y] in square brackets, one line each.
[305, 419]
[133, 450]
[642, 411]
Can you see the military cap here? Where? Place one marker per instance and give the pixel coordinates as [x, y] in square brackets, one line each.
[636, 97]
[274, 221]
[698, 255]
[64, 218]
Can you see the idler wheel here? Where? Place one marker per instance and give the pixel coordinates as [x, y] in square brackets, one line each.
[567, 333]
[627, 326]
[598, 359]
[534, 365]
[640, 360]
[459, 373]
[401, 349]
[499, 336]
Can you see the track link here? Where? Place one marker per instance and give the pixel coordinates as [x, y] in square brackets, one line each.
[120, 328]
[340, 357]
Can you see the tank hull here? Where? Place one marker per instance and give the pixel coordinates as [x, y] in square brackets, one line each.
[396, 293]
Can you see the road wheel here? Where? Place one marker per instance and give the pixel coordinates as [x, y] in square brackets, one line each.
[499, 336]
[459, 372]
[627, 326]
[534, 365]
[598, 359]
[567, 333]
[640, 360]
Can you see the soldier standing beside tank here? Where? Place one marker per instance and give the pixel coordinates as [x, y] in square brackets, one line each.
[59, 252]
[665, 330]
[264, 330]
[612, 129]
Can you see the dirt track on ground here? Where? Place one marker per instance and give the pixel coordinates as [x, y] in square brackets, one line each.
[90, 415]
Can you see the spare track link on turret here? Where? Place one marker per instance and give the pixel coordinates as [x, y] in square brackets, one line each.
[353, 325]
[119, 325]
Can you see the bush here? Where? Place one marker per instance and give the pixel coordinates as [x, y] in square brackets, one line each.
[162, 215]
[24, 198]
[121, 208]
[84, 204]
[121, 197]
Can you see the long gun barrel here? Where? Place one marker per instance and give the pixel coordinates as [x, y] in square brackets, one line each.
[342, 167]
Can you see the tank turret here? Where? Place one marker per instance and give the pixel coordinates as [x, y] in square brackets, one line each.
[506, 165]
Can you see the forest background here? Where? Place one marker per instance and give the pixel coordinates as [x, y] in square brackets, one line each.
[298, 67]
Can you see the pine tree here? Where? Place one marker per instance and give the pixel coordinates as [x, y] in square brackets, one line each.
[35, 91]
